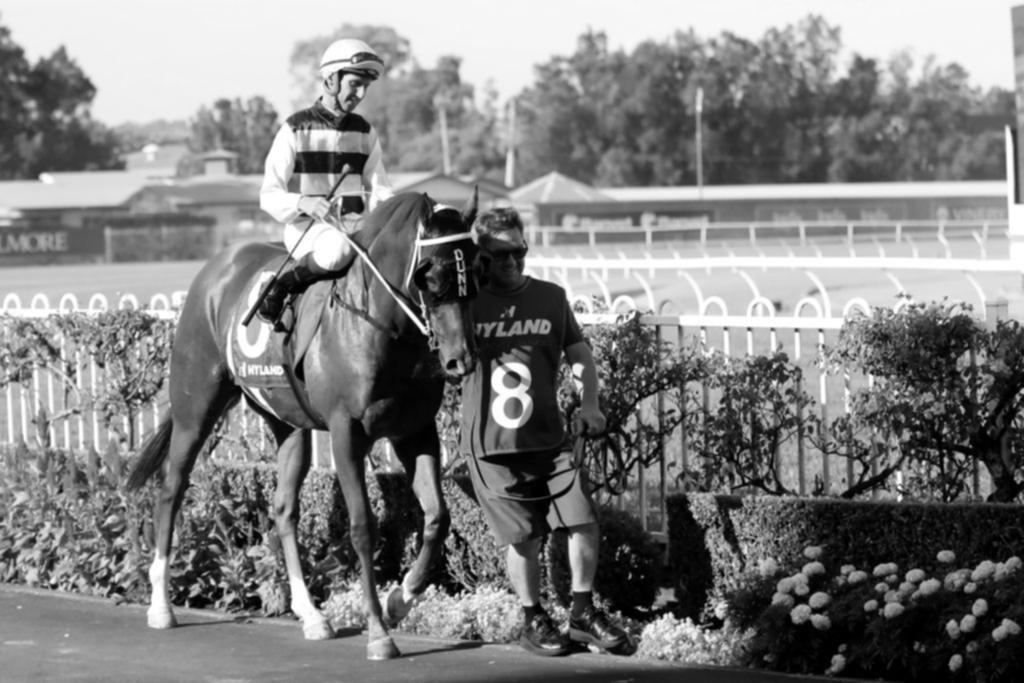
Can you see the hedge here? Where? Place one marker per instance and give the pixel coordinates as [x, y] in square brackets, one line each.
[714, 540]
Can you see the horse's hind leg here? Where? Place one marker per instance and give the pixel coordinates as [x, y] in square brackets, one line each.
[194, 416]
[419, 456]
[349, 444]
[293, 460]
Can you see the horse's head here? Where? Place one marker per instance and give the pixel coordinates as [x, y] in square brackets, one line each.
[444, 277]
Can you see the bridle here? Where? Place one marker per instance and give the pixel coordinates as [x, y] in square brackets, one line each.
[462, 272]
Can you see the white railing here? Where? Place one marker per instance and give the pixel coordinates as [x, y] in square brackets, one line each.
[704, 234]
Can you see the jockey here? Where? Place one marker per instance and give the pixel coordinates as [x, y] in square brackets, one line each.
[306, 160]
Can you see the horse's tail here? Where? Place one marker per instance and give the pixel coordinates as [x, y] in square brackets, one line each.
[151, 455]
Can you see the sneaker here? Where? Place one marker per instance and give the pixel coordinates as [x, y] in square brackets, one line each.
[596, 628]
[541, 637]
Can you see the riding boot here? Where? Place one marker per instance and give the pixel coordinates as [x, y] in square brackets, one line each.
[296, 276]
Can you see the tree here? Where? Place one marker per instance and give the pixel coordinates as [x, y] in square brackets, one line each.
[45, 109]
[246, 129]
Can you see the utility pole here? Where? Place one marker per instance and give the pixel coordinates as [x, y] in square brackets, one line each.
[698, 112]
[441, 102]
[510, 152]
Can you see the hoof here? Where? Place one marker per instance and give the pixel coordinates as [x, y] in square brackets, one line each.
[317, 628]
[396, 607]
[160, 618]
[382, 648]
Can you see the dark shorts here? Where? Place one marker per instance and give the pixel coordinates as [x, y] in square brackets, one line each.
[525, 496]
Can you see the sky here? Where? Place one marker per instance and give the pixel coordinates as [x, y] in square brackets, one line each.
[164, 59]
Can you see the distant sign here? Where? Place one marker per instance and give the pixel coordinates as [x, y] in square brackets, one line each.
[38, 243]
[631, 220]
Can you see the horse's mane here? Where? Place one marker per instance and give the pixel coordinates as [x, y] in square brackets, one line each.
[404, 209]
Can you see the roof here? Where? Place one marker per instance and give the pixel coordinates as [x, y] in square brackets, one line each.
[403, 181]
[204, 190]
[784, 191]
[554, 188]
[93, 189]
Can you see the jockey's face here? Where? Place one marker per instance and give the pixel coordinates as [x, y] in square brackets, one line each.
[348, 90]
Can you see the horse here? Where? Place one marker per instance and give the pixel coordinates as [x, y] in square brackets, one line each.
[369, 371]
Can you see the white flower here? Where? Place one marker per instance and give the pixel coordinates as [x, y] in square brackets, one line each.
[999, 633]
[955, 662]
[971, 647]
[819, 600]
[929, 586]
[812, 552]
[915, 576]
[885, 569]
[979, 608]
[846, 569]
[783, 599]
[871, 606]
[820, 622]
[813, 569]
[1011, 626]
[984, 570]
[970, 587]
[881, 587]
[955, 580]
[1013, 564]
[968, 623]
[837, 665]
[784, 585]
[907, 589]
[892, 610]
[800, 614]
[892, 596]
[953, 629]
[801, 589]
[768, 566]
[857, 576]
[946, 557]
[799, 578]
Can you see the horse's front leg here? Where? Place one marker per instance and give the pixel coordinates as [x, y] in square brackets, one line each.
[349, 446]
[420, 456]
[293, 459]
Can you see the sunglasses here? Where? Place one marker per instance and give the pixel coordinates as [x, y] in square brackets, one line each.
[517, 254]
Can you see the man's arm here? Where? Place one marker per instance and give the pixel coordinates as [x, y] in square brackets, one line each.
[584, 372]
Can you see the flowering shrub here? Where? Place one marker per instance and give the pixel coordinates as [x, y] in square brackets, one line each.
[934, 622]
[680, 640]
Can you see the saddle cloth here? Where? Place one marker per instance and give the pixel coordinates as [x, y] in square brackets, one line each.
[258, 356]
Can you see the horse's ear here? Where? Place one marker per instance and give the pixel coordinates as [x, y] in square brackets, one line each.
[469, 213]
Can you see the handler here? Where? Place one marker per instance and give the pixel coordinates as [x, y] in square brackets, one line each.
[305, 160]
[512, 435]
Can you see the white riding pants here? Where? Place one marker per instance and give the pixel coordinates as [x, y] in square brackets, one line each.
[324, 241]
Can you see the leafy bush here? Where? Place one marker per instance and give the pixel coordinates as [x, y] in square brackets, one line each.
[762, 406]
[947, 393]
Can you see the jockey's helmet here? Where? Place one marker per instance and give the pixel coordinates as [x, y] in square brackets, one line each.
[352, 55]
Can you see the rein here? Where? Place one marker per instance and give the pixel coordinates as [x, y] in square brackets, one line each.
[418, 317]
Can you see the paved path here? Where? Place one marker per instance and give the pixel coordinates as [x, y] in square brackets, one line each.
[47, 636]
